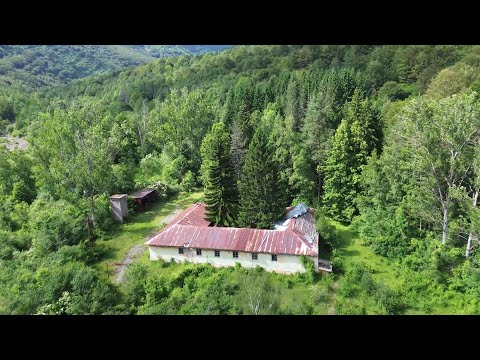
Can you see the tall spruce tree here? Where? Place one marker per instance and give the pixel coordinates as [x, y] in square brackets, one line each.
[293, 106]
[221, 193]
[261, 190]
[357, 136]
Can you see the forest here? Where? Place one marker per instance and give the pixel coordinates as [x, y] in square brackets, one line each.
[383, 141]
[35, 66]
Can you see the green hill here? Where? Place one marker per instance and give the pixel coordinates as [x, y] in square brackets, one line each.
[35, 66]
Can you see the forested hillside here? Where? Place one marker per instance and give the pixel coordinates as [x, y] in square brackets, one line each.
[160, 51]
[34, 66]
[382, 140]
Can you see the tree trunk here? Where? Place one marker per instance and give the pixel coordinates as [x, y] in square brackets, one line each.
[91, 219]
[445, 225]
[470, 236]
[89, 230]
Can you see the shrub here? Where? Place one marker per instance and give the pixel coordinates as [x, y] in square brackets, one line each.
[163, 190]
[54, 224]
[103, 216]
[188, 182]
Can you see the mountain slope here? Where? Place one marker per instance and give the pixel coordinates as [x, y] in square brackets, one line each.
[35, 66]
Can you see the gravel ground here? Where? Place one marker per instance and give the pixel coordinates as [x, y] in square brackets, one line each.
[138, 250]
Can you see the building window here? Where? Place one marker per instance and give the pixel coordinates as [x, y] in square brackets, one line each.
[274, 257]
[235, 254]
[254, 256]
[199, 251]
[217, 253]
[180, 250]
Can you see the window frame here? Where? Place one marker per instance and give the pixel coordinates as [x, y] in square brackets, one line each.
[254, 256]
[199, 252]
[235, 253]
[181, 250]
[216, 252]
[274, 257]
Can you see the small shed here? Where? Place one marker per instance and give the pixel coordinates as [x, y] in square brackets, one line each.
[143, 198]
[118, 202]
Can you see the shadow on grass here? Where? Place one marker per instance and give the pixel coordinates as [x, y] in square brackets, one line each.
[350, 252]
[344, 237]
[105, 252]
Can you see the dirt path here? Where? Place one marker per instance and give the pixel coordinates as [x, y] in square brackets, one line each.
[136, 251]
[167, 219]
[133, 253]
[332, 308]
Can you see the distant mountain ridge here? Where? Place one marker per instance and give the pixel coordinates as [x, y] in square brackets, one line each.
[34, 66]
[160, 51]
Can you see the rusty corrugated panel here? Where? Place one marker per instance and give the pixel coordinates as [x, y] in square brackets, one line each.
[190, 228]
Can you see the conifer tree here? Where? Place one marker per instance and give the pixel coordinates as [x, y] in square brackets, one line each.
[261, 190]
[221, 194]
[293, 106]
[355, 139]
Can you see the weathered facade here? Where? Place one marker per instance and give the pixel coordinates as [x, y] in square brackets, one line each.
[285, 264]
[189, 237]
[119, 206]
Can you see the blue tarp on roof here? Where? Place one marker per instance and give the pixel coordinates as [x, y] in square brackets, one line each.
[297, 211]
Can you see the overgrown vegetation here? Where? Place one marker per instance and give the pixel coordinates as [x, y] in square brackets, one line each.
[384, 139]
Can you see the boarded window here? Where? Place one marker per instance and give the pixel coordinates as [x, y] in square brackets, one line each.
[274, 257]
[217, 253]
[180, 250]
[254, 256]
[235, 254]
[199, 251]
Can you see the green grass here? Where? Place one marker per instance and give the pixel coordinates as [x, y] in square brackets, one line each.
[353, 251]
[136, 230]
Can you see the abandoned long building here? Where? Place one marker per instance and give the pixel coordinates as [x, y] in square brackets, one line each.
[190, 237]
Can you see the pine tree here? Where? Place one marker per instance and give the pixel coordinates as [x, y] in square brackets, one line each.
[238, 149]
[293, 106]
[221, 194]
[317, 136]
[355, 139]
[261, 190]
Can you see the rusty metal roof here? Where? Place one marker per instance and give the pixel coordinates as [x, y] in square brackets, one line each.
[141, 193]
[190, 229]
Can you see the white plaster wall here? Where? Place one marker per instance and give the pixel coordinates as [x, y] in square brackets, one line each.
[285, 264]
[119, 208]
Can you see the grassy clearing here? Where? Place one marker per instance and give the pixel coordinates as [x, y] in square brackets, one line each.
[354, 251]
[136, 230]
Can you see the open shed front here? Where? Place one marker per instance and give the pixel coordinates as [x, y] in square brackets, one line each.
[324, 265]
[143, 198]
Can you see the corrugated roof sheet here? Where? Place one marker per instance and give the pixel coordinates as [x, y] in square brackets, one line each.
[141, 193]
[190, 229]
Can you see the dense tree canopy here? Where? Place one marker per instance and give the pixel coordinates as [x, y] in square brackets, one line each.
[384, 139]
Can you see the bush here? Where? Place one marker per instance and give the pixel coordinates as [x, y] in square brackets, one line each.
[103, 216]
[54, 224]
[135, 282]
[130, 206]
[188, 182]
[310, 275]
[164, 190]
[337, 261]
